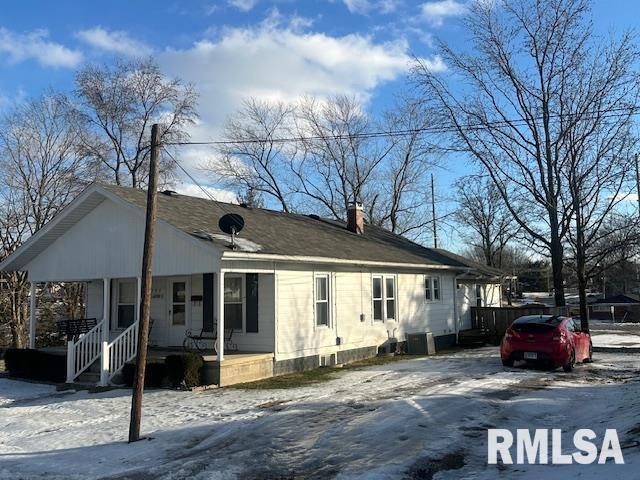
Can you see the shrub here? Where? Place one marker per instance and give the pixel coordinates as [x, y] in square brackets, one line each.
[35, 365]
[154, 374]
[184, 369]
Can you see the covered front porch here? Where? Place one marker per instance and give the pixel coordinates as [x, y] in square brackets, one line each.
[185, 313]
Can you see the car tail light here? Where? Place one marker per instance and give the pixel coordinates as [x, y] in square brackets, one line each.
[508, 333]
[558, 336]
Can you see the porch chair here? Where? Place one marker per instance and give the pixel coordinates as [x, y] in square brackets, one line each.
[199, 341]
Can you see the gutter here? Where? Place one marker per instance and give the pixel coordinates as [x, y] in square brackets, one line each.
[335, 261]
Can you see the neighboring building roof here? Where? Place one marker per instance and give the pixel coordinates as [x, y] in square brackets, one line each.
[622, 298]
[266, 232]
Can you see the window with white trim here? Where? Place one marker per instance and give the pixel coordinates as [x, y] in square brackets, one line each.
[383, 289]
[321, 296]
[126, 311]
[377, 298]
[233, 302]
[432, 290]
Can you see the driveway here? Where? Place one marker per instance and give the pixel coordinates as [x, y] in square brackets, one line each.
[420, 418]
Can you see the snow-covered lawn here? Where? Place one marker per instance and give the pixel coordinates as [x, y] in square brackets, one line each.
[614, 335]
[379, 422]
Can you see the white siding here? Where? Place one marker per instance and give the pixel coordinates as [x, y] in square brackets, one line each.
[108, 242]
[299, 336]
[94, 298]
[493, 294]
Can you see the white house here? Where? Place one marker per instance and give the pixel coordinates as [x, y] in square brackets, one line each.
[298, 291]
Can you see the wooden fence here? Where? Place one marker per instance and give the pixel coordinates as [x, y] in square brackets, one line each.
[497, 319]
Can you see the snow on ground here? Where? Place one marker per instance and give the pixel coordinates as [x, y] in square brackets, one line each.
[388, 421]
[611, 335]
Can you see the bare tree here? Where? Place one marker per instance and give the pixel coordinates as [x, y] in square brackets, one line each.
[42, 168]
[400, 199]
[255, 160]
[121, 103]
[521, 101]
[487, 224]
[337, 165]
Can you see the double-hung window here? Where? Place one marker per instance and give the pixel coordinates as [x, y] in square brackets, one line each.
[321, 295]
[432, 290]
[384, 297]
[233, 304]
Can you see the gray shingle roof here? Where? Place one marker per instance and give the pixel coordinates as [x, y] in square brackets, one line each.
[274, 232]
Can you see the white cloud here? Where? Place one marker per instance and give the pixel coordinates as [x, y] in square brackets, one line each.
[193, 190]
[243, 5]
[36, 45]
[436, 12]
[277, 61]
[364, 7]
[113, 41]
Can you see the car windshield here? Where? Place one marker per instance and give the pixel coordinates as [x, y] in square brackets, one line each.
[536, 323]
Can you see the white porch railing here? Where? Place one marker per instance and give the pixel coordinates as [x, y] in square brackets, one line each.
[83, 352]
[117, 353]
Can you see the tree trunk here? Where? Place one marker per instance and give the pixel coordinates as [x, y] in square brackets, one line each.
[557, 259]
[580, 266]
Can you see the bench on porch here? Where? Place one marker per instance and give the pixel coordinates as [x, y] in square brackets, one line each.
[74, 327]
[198, 341]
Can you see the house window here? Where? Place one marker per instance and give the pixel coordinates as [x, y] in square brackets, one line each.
[377, 298]
[322, 299]
[390, 296]
[127, 290]
[432, 288]
[251, 321]
[233, 305]
[384, 297]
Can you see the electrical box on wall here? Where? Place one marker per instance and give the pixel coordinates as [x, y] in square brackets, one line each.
[338, 340]
[363, 317]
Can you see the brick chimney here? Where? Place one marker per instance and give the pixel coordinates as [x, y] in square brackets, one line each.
[355, 218]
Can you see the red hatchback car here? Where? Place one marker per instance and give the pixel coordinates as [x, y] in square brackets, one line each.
[546, 339]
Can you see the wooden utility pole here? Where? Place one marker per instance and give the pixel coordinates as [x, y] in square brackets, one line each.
[433, 213]
[145, 303]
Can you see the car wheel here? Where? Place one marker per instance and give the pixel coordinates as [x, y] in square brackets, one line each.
[572, 360]
[508, 362]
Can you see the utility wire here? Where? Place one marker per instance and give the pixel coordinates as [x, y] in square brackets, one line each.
[612, 113]
[204, 190]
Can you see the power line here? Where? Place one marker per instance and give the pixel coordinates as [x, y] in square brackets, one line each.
[610, 113]
[204, 190]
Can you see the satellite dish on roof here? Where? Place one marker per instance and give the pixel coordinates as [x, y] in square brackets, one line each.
[232, 224]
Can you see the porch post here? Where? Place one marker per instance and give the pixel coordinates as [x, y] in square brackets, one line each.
[106, 328]
[32, 315]
[220, 307]
[106, 308]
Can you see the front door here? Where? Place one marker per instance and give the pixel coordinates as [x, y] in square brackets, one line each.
[178, 311]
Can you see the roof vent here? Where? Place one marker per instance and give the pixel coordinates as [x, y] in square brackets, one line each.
[314, 216]
[169, 193]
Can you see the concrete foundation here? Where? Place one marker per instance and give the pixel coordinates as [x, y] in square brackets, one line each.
[237, 368]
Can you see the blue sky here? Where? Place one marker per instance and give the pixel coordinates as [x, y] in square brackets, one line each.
[229, 49]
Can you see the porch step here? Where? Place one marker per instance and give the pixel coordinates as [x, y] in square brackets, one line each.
[88, 377]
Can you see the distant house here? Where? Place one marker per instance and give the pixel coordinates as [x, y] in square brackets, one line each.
[297, 291]
[621, 307]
